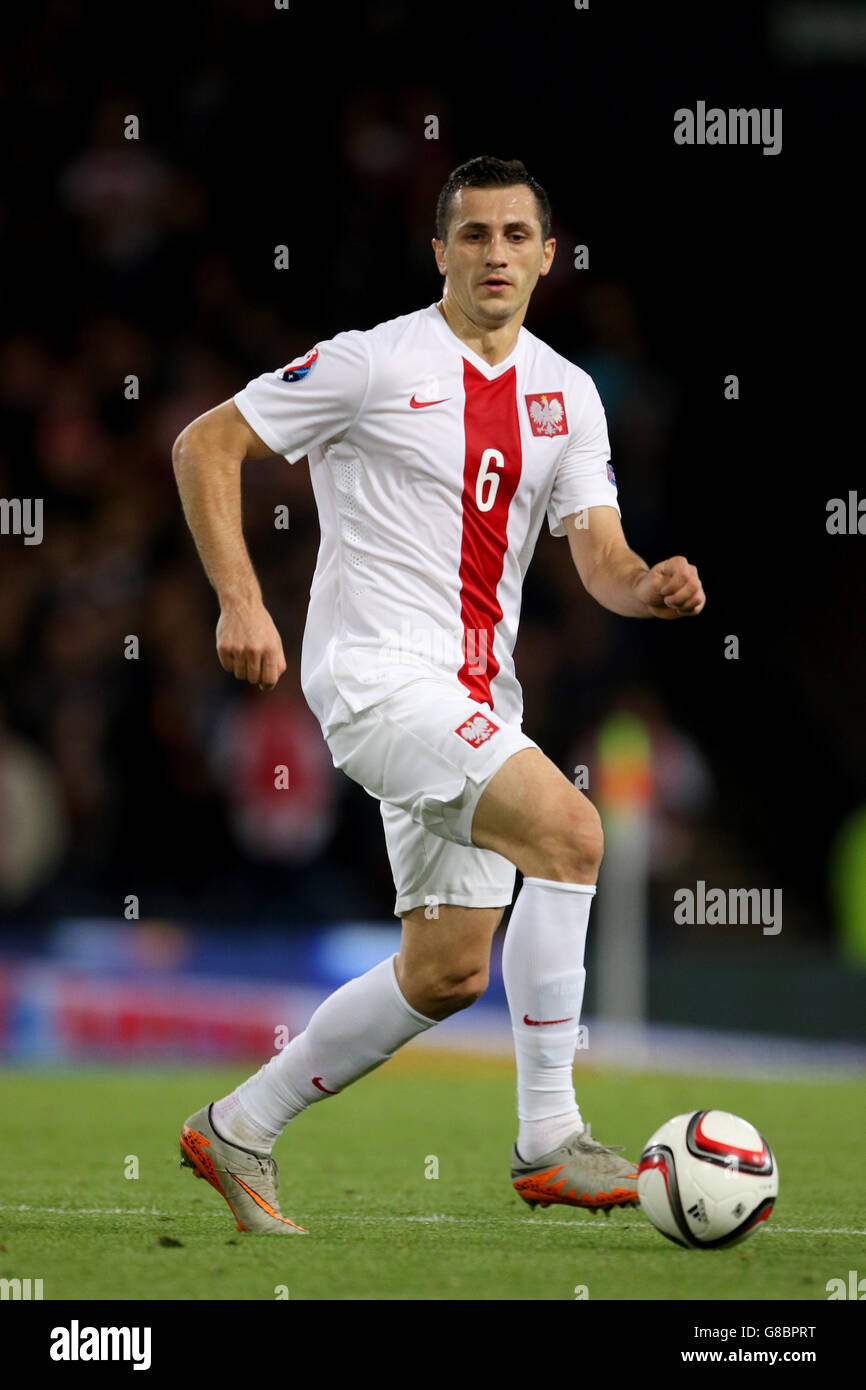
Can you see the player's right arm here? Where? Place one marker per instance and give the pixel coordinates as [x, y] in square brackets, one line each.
[207, 458]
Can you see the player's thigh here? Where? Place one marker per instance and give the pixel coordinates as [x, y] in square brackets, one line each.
[453, 946]
[530, 806]
[428, 749]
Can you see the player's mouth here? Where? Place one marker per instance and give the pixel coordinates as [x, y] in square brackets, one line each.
[496, 283]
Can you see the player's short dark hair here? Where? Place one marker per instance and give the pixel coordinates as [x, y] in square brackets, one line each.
[488, 172]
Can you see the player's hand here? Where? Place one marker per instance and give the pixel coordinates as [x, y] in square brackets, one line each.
[671, 589]
[249, 645]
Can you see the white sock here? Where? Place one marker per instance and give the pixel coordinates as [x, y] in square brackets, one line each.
[542, 969]
[352, 1032]
[232, 1122]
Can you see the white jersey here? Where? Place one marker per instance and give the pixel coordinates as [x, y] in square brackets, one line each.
[432, 473]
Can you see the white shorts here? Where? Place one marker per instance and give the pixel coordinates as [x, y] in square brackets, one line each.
[428, 778]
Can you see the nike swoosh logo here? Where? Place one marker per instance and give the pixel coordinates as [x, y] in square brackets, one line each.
[419, 405]
[540, 1022]
[317, 1081]
[265, 1206]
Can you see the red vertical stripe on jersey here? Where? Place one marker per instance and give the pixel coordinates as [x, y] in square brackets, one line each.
[490, 421]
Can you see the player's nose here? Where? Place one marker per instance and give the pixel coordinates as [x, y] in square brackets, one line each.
[497, 250]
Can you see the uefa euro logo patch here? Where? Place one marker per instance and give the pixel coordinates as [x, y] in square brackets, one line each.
[547, 414]
[301, 367]
[611, 476]
[477, 729]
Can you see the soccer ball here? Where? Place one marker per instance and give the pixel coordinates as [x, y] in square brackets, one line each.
[707, 1179]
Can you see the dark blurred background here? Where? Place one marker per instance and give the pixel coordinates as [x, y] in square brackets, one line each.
[154, 258]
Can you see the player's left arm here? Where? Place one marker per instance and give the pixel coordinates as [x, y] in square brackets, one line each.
[620, 580]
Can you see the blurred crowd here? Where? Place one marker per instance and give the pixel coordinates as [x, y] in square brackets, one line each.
[143, 292]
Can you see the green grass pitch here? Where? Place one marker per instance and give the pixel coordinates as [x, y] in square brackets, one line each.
[353, 1172]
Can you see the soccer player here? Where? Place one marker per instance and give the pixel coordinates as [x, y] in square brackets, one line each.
[438, 443]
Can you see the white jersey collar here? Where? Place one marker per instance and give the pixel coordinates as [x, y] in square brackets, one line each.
[450, 337]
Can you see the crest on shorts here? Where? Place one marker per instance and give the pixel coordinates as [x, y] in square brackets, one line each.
[477, 729]
[547, 414]
[300, 367]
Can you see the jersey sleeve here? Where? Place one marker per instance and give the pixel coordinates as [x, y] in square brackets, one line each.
[312, 400]
[585, 477]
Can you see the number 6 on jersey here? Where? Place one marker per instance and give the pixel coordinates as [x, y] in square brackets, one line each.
[489, 457]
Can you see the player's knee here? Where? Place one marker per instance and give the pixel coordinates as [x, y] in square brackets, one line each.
[590, 837]
[574, 847]
[454, 990]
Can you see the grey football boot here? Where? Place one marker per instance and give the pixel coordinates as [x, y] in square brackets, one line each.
[247, 1181]
[580, 1173]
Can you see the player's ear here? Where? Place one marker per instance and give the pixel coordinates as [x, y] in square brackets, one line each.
[439, 253]
[549, 250]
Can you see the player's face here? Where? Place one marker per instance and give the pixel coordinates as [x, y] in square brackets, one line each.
[494, 253]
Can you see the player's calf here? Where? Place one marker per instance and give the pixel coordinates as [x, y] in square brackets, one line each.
[444, 962]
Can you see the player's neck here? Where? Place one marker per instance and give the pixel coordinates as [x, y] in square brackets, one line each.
[493, 344]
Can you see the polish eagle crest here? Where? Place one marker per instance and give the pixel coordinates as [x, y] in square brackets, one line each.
[547, 415]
